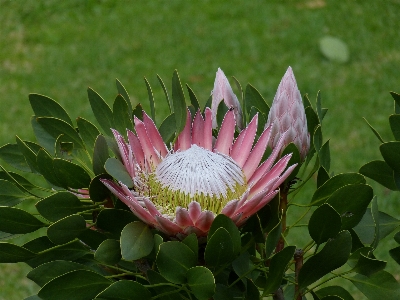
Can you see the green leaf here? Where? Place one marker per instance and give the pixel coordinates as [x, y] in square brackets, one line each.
[318, 106]
[46, 168]
[219, 249]
[394, 121]
[71, 175]
[122, 91]
[125, 290]
[381, 285]
[374, 131]
[45, 139]
[334, 254]
[201, 282]
[366, 228]
[29, 155]
[317, 138]
[136, 241]
[391, 154]
[273, 239]
[179, 103]
[325, 156]
[66, 229]
[56, 127]
[368, 266]
[395, 254]
[166, 94]
[277, 269]
[261, 119]
[168, 129]
[243, 266]
[222, 221]
[351, 202]
[138, 112]
[192, 242]
[17, 221]
[193, 98]
[375, 217]
[325, 223]
[117, 170]
[334, 49]
[10, 253]
[69, 252]
[48, 271]
[59, 205]
[88, 132]
[11, 154]
[291, 148]
[114, 220]
[312, 121]
[253, 98]
[396, 98]
[333, 184]
[334, 290]
[10, 194]
[168, 291]
[101, 111]
[221, 112]
[380, 171]
[121, 114]
[44, 106]
[109, 252]
[396, 236]
[97, 190]
[151, 100]
[322, 177]
[77, 285]
[100, 155]
[174, 260]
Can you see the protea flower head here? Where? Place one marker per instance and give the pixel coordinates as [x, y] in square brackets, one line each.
[288, 116]
[223, 91]
[180, 190]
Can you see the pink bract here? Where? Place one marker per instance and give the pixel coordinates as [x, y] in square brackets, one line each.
[146, 158]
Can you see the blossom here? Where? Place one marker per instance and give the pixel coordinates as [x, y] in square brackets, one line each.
[288, 116]
[180, 190]
[223, 91]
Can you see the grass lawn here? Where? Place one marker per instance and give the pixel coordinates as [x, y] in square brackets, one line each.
[58, 48]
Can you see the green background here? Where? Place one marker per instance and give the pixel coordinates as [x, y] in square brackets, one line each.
[59, 48]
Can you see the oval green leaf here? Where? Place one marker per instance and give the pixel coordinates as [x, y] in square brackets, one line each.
[325, 223]
[125, 290]
[17, 221]
[109, 252]
[136, 241]
[201, 282]
[66, 229]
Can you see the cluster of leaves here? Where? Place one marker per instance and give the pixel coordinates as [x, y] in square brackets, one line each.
[92, 246]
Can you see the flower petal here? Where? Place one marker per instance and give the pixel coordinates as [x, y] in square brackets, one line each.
[204, 221]
[154, 135]
[167, 226]
[225, 135]
[184, 140]
[183, 218]
[194, 210]
[136, 148]
[198, 130]
[242, 151]
[147, 146]
[257, 153]
[230, 208]
[208, 138]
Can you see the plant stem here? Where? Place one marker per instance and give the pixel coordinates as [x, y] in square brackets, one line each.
[298, 258]
[282, 208]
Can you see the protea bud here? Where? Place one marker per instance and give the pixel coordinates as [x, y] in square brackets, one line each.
[223, 91]
[287, 115]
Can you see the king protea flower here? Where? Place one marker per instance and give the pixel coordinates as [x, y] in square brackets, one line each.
[223, 91]
[288, 116]
[180, 190]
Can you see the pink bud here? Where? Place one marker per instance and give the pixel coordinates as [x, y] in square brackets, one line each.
[223, 91]
[287, 115]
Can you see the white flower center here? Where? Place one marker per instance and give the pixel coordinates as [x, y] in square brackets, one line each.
[199, 171]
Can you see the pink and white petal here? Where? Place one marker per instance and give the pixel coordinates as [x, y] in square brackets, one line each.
[285, 175]
[208, 138]
[184, 140]
[193, 229]
[183, 218]
[266, 182]
[238, 143]
[264, 201]
[257, 153]
[147, 146]
[266, 166]
[204, 221]
[247, 142]
[150, 207]
[251, 202]
[194, 210]
[237, 218]
[115, 188]
[198, 130]
[136, 148]
[226, 133]
[167, 226]
[230, 208]
[123, 150]
[154, 135]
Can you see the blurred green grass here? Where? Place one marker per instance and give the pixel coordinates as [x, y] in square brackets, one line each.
[58, 48]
